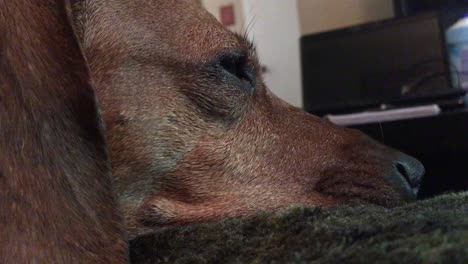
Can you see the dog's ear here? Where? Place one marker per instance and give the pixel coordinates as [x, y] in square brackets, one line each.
[74, 9]
[56, 199]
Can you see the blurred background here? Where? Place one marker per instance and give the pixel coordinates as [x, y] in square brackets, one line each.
[394, 69]
[276, 26]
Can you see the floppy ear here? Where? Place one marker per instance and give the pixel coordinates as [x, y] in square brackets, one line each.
[56, 198]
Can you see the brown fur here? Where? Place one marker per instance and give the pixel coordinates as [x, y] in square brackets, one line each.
[189, 144]
[56, 198]
[189, 141]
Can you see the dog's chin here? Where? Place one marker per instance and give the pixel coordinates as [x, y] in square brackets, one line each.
[161, 213]
[388, 198]
[383, 201]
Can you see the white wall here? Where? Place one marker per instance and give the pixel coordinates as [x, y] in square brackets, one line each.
[274, 27]
[322, 15]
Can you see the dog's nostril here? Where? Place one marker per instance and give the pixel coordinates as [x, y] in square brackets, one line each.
[411, 170]
[402, 170]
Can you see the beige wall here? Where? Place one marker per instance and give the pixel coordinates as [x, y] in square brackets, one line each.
[322, 15]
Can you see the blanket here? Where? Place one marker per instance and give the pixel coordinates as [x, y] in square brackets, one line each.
[429, 231]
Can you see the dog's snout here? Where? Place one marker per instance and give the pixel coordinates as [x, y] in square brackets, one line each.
[411, 170]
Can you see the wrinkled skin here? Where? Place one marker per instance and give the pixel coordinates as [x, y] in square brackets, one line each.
[195, 134]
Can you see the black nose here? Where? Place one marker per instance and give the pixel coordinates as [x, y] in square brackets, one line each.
[411, 170]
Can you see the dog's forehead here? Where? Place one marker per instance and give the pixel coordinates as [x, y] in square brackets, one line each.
[176, 28]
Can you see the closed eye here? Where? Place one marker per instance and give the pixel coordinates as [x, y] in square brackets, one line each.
[237, 69]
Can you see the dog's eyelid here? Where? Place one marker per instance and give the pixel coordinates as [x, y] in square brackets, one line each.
[233, 54]
[238, 64]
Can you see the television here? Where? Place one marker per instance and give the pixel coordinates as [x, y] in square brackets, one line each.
[393, 62]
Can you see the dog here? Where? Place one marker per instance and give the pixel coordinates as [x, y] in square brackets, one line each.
[194, 134]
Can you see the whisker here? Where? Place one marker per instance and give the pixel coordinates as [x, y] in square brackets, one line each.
[382, 132]
[249, 27]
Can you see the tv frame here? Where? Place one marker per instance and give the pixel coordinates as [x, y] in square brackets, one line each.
[359, 106]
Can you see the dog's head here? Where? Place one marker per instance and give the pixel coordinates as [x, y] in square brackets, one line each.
[195, 134]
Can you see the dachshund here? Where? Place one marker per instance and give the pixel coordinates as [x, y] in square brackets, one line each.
[192, 131]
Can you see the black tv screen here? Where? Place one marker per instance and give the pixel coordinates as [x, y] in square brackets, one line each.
[369, 65]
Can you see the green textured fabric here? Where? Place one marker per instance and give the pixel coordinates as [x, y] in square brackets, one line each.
[431, 231]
